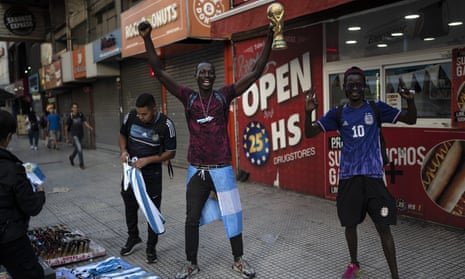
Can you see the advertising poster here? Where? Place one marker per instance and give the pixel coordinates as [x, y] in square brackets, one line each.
[427, 176]
[458, 88]
[271, 142]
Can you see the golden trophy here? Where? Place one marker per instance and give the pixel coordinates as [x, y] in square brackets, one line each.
[276, 16]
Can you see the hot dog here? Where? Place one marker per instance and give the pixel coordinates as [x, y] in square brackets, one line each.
[455, 189]
[440, 167]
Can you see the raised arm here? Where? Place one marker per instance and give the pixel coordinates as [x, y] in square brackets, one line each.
[408, 116]
[249, 78]
[311, 129]
[145, 30]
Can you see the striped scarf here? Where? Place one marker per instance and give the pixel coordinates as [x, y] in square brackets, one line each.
[133, 177]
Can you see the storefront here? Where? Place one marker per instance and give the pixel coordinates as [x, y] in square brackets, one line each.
[420, 54]
[181, 34]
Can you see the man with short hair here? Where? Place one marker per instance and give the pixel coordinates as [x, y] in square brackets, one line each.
[209, 151]
[75, 127]
[148, 136]
[361, 186]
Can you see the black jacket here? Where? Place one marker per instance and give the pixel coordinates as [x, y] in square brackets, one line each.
[18, 202]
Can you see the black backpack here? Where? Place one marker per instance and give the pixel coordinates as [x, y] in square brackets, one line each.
[161, 133]
[378, 120]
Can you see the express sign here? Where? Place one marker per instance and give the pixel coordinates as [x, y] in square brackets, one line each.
[19, 21]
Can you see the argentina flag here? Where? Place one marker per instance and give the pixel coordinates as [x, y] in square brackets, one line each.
[227, 205]
[133, 177]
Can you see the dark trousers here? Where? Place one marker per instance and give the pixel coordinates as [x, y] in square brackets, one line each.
[33, 137]
[20, 260]
[152, 179]
[198, 191]
[77, 150]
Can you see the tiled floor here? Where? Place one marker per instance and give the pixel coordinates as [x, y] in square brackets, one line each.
[286, 234]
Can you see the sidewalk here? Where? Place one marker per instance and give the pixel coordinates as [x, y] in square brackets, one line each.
[286, 234]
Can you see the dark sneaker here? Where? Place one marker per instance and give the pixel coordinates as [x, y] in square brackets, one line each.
[82, 166]
[187, 271]
[151, 255]
[243, 267]
[353, 271]
[71, 161]
[130, 245]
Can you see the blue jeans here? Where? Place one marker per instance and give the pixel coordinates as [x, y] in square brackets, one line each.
[77, 150]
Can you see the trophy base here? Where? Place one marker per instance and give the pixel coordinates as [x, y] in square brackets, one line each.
[279, 44]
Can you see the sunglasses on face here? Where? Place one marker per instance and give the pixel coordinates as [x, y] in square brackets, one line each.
[353, 86]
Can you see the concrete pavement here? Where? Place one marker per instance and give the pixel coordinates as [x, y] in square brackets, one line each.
[286, 234]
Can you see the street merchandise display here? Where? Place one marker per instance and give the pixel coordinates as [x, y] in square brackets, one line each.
[111, 268]
[58, 245]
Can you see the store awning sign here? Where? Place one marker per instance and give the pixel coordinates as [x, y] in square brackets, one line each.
[79, 63]
[107, 46]
[172, 21]
[19, 21]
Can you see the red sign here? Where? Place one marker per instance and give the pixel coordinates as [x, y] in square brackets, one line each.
[458, 88]
[273, 148]
[172, 21]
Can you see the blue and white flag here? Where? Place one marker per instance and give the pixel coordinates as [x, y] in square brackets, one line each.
[133, 177]
[226, 205]
[34, 173]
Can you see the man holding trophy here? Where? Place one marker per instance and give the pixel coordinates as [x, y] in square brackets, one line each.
[210, 172]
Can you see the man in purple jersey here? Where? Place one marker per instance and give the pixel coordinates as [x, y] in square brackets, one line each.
[361, 186]
[209, 154]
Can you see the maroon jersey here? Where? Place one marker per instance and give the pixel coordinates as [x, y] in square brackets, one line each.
[207, 119]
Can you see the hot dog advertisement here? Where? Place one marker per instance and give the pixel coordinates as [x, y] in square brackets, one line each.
[443, 176]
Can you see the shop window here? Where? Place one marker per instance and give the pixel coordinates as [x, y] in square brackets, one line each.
[431, 83]
[401, 27]
[337, 95]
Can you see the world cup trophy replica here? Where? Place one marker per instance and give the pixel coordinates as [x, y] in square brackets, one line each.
[276, 16]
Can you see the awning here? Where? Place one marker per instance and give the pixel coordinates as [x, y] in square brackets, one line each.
[254, 15]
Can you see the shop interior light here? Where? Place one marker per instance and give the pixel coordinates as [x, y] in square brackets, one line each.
[426, 39]
[412, 16]
[455, 23]
[351, 42]
[381, 45]
[354, 28]
[397, 34]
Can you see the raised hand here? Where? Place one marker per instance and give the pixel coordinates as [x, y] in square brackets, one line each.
[310, 102]
[407, 94]
[145, 28]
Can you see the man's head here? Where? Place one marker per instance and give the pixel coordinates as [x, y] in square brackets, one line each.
[74, 108]
[354, 83]
[7, 127]
[205, 76]
[146, 107]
